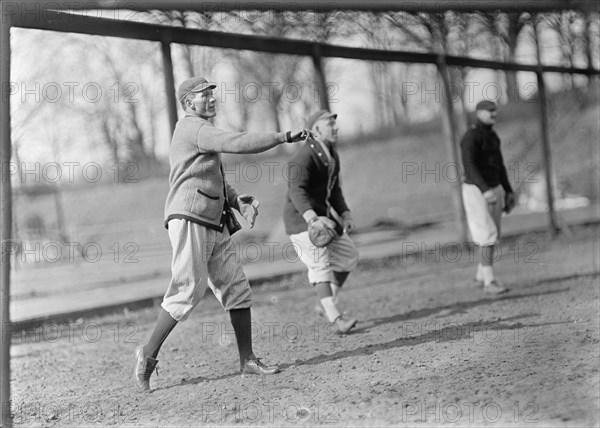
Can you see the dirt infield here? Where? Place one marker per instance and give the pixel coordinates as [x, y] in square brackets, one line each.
[431, 349]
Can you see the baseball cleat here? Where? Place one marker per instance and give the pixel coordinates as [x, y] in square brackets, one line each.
[254, 365]
[343, 325]
[494, 288]
[144, 366]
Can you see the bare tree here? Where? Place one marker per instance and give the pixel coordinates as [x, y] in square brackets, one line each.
[561, 24]
[592, 37]
[447, 32]
[378, 33]
[185, 19]
[515, 23]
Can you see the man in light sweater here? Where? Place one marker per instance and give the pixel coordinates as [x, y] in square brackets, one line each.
[199, 220]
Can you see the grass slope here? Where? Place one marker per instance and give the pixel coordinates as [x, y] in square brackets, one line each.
[404, 179]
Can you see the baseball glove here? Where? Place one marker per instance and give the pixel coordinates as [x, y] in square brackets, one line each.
[509, 202]
[321, 231]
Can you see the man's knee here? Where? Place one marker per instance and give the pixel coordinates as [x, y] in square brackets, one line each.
[340, 277]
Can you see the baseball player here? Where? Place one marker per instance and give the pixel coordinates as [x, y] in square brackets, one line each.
[199, 219]
[486, 190]
[315, 198]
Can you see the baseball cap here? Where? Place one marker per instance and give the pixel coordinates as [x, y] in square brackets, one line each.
[318, 115]
[193, 84]
[486, 105]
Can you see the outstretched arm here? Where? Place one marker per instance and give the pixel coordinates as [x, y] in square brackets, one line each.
[211, 139]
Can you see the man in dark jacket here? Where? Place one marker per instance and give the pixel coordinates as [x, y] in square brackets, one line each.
[486, 190]
[315, 196]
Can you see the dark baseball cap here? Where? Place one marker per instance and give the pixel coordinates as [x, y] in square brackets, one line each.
[486, 105]
[193, 84]
[318, 115]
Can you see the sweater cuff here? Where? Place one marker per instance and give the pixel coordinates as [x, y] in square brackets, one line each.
[309, 215]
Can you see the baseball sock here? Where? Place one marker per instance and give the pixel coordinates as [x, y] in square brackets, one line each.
[340, 279]
[335, 290]
[164, 326]
[241, 320]
[330, 308]
[487, 260]
[488, 274]
[323, 289]
[327, 300]
[479, 274]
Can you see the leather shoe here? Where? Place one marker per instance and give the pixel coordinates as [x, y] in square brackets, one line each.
[343, 325]
[144, 367]
[254, 365]
[494, 288]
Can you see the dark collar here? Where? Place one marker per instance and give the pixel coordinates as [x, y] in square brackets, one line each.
[316, 147]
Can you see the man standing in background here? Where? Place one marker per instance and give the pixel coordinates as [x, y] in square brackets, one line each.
[486, 190]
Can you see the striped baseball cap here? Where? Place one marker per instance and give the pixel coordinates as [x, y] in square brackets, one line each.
[319, 115]
[193, 84]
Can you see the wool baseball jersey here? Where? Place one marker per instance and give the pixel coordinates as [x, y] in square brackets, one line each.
[312, 184]
[482, 159]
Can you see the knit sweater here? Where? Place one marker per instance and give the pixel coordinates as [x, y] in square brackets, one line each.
[197, 188]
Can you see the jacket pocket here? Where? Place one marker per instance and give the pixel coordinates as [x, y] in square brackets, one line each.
[206, 205]
[214, 198]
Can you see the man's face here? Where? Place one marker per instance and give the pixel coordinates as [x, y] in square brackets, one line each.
[487, 117]
[203, 104]
[327, 130]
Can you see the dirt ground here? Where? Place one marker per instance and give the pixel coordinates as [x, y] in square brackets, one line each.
[431, 349]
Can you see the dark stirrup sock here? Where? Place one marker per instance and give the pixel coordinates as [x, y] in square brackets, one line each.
[241, 320]
[164, 326]
[323, 289]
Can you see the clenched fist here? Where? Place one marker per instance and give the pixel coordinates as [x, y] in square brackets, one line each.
[509, 202]
[490, 196]
[301, 135]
